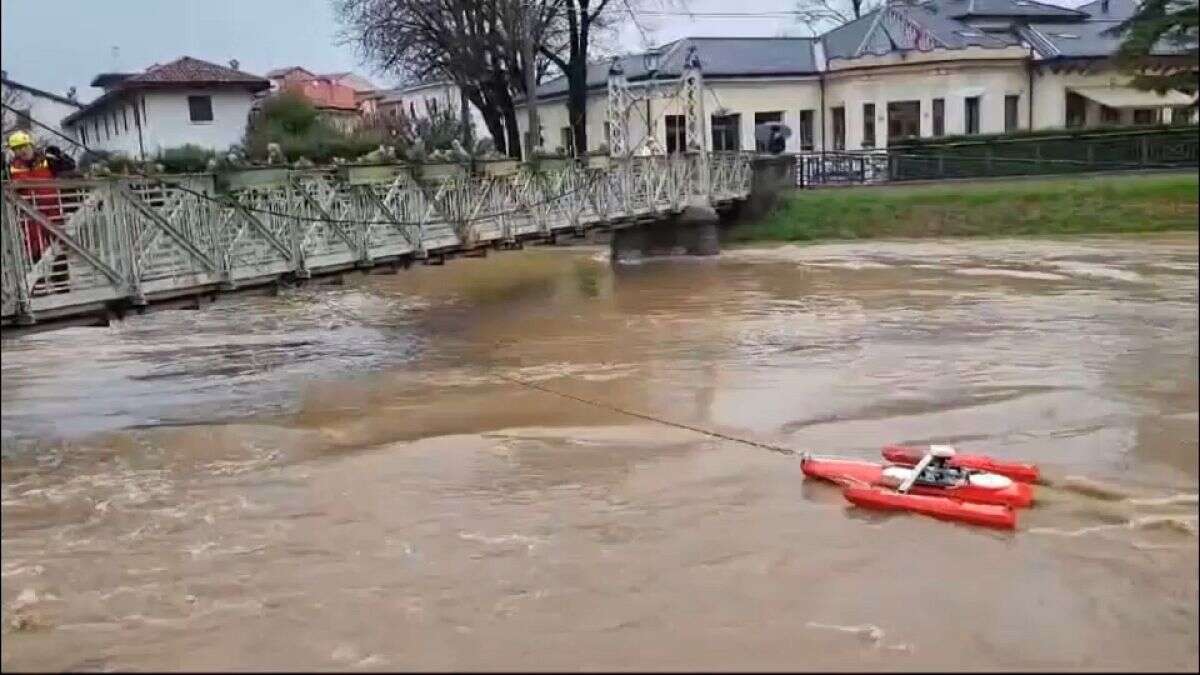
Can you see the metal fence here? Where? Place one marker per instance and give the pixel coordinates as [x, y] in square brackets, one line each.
[816, 169]
[71, 246]
[1035, 155]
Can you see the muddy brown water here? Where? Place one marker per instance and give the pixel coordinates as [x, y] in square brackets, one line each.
[341, 478]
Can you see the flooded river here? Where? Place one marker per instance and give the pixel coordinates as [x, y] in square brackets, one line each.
[346, 477]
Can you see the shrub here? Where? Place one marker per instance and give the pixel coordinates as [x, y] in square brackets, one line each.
[186, 158]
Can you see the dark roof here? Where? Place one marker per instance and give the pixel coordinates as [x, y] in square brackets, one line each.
[1082, 40]
[40, 92]
[719, 57]
[1029, 9]
[109, 79]
[1118, 10]
[184, 71]
[876, 34]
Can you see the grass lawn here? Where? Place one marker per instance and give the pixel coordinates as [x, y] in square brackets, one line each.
[1044, 205]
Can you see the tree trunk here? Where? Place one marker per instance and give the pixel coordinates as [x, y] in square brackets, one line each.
[577, 108]
[492, 119]
[514, 133]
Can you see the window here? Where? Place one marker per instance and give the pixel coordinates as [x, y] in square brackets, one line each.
[541, 139]
[96, 128]
[1011, 102]
[971, 111]
[125, 116]
[107, 131]
[1076, 109]
[939, 117]
[145, 117]
[726, 133]
[1145, 116]
[608, 135]
[676, 134]
[83, 134]
[839, 128]
[200, 108]
[807, 129]
[868, 137]
[412, 110]
[567, 140]
[761, 141]
[1109, 115]
[1181, 115]
[904, 119]
[116, 127]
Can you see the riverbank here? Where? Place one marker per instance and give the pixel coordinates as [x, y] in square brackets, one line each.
[1061, 205]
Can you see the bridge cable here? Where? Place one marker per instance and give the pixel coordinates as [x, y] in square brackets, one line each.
[280, 214]
[651, 418]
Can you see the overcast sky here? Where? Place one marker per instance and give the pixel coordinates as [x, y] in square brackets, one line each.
[55, 44]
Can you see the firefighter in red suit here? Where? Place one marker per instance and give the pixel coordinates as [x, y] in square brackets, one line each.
[30, 165]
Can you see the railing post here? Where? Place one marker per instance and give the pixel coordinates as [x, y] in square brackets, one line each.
[119, 218]
[14, 262]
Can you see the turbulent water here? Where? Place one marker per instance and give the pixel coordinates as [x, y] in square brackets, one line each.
[348, 477]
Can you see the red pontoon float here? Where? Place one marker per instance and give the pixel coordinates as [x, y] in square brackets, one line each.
[932, 483]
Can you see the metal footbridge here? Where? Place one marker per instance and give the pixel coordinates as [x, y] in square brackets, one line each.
[78, 248]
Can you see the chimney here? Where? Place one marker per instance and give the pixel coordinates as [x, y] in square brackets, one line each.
[233, 63]
[70, 93]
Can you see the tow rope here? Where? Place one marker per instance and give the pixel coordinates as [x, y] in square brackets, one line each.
[651, 418]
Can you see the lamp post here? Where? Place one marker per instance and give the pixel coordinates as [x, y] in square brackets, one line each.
[650, 59]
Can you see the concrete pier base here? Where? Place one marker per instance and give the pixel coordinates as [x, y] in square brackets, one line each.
[692, 232]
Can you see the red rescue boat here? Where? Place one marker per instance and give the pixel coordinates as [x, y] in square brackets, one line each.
[975, 489]
[1018, 471]
[931, 483]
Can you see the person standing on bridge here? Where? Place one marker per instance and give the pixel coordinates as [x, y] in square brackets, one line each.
[28, 164]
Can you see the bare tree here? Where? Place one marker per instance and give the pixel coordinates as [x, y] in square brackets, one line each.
[823, 15]
[574, 22]
[474, 43]
[13, 99]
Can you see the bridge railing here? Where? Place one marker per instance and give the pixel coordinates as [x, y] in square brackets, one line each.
[70, 246]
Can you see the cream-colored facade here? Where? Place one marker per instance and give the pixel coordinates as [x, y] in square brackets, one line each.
[928, 69]
[995, 79]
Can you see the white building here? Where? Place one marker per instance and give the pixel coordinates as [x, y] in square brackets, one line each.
[169, 105]
[423, 100]
[928, 68]
[36, 104]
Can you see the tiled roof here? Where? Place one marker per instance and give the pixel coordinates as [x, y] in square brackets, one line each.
[1118, 10]
[182, 72]
[875, 34]
[1088, 39]
[719, 57]
[1030, 9]
[40, 92]
[186, 70]
[280, 72]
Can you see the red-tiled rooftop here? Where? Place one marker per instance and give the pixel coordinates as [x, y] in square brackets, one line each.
[186, 70]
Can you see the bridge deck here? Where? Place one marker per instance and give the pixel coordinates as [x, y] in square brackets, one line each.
[77, 247]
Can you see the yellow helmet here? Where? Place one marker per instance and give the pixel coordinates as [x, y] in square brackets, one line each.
[19, 139]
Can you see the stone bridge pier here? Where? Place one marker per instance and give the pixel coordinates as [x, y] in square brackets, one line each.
[696, 230]
[692, 232]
